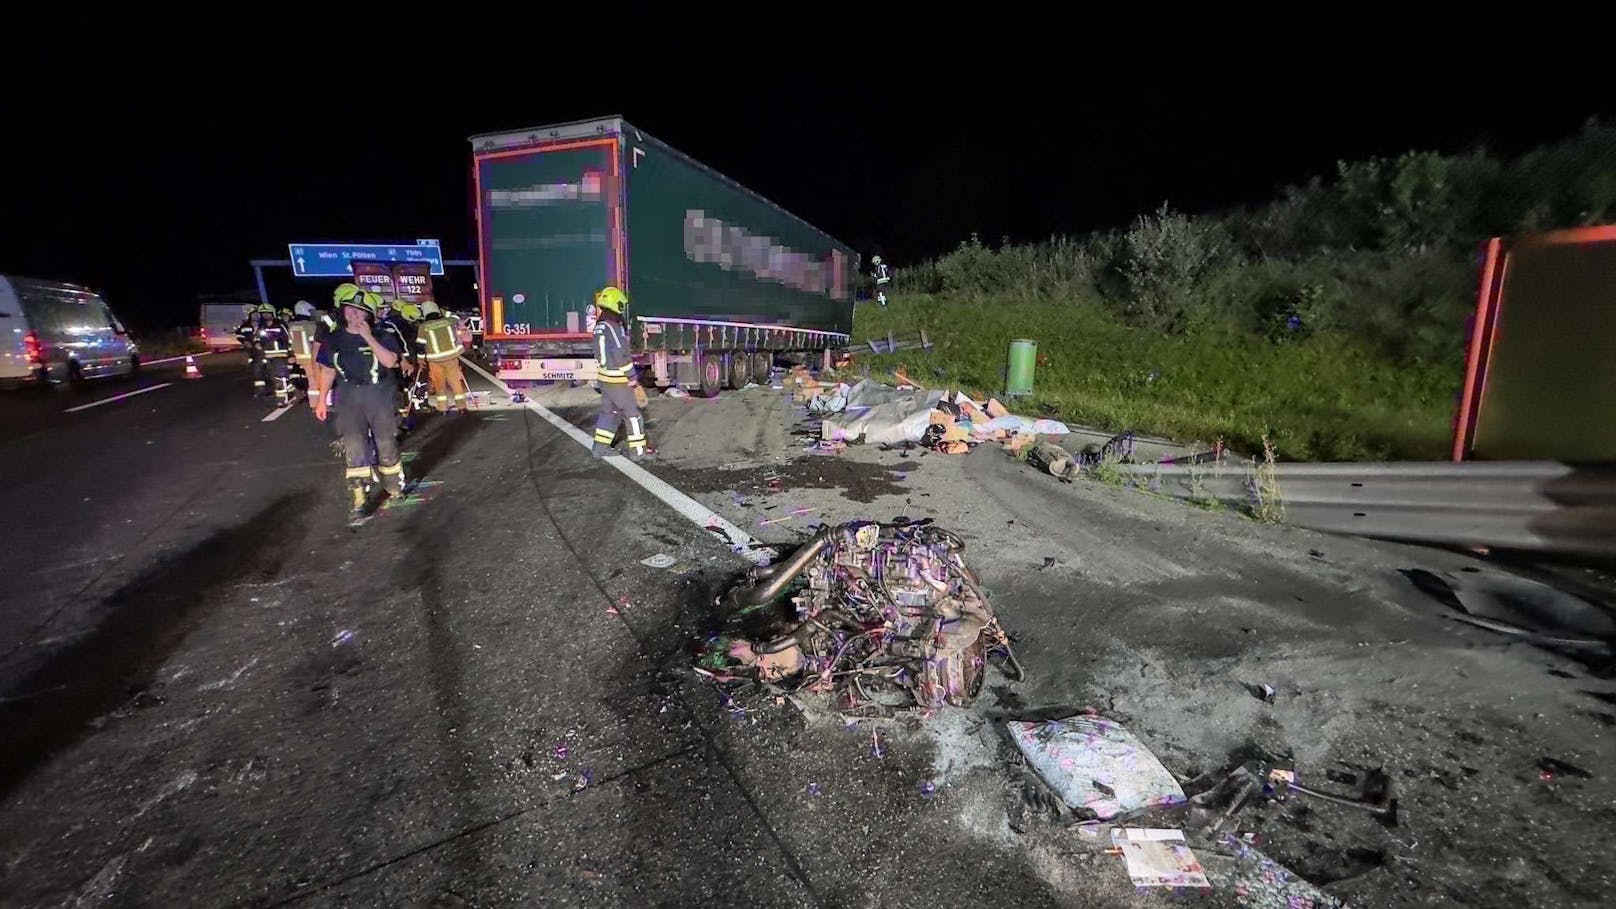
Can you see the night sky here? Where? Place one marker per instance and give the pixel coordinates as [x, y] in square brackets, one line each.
[163, 188]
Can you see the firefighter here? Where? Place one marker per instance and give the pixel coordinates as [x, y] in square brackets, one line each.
[441, 347]
[252, 338]
[325, 323]
[364, 359]
[882, 277]
[302, 329]
[463, 332]
[473, 327]
[244, 331]
[275, 347]
[402, 319]
[620, 391]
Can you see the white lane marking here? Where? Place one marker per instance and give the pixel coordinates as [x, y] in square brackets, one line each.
[175, 359]
[127, 394]
[740, 541]
[276, 413]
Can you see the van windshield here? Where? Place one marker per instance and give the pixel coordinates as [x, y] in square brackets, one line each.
[64, 311]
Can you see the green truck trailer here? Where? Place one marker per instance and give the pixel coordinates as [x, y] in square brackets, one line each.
[720, 280]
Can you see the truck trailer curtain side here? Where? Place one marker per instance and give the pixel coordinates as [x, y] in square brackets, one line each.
[717, 275]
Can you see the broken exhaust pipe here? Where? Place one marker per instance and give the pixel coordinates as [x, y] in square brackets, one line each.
[769, 586]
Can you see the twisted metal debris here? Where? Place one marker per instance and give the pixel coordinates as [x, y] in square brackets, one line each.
[881, 615]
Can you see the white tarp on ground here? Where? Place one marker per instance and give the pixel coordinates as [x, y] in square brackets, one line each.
[882, 415]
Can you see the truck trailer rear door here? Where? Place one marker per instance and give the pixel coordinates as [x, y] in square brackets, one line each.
[549, 222]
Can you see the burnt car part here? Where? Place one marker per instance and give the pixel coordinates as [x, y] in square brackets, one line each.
[882, 613]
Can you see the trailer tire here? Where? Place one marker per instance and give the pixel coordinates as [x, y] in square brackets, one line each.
[738, 369]
[762, 365]
[712, 375]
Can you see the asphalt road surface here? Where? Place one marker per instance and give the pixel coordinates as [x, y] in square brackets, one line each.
[215, 693]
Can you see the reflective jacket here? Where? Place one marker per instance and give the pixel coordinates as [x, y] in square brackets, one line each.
[613, 364]
[302, 332]
[437, 340]
[273, 339]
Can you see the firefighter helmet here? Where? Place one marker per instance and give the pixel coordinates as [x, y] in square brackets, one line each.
[369, 301]
[611, 299]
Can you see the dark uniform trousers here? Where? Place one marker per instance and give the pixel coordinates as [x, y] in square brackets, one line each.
[280, 370]
[364, 412]
[260, 371]
[617, 407]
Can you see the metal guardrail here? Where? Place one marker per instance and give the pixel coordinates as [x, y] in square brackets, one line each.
[892, 344]
[1541, 506]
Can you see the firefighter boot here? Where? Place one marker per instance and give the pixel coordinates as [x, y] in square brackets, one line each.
[357, 497]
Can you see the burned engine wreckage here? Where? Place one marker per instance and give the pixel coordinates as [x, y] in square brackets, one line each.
[879, 615]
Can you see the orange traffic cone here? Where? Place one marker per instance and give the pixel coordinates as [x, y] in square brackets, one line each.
[190, 368]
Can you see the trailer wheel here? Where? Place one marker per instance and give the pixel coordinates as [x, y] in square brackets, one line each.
[738, 369]
[762, 364]
[712, 375]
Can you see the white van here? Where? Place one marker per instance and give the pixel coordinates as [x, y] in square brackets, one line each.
[53, 332]
[219, 322]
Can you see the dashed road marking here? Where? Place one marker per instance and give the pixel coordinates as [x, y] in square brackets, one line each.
[127, 394]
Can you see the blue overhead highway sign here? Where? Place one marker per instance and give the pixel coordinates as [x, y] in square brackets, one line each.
[331, 260]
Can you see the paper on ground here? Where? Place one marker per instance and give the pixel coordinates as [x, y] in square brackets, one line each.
[1159, 858]
[660, 560]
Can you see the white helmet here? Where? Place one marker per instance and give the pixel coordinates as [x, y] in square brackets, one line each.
[304, 309]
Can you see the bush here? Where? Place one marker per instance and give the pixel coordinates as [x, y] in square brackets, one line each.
[1060, 266]
[1164, 257]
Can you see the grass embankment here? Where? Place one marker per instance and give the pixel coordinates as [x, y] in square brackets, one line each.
[1330, 319]
[1325, 397]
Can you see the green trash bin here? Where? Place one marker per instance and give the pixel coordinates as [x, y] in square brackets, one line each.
[1023, 358]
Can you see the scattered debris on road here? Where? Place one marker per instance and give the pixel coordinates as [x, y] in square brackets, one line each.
[1552, 767]
[1047, 457]
[1258, 881]
[1532, 611]
[1104, 789]
[1262, 692]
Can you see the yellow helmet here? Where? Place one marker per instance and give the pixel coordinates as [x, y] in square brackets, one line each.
[611, 299]
[345, 293]
[369, 301]
[410, 311]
